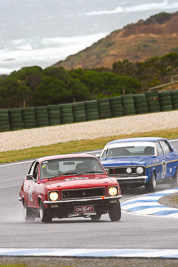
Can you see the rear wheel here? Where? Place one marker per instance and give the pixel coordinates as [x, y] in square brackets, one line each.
[176, 177]
[95, 218]
[115, 212]
[45, 216]
[28, 215]
[151, 185]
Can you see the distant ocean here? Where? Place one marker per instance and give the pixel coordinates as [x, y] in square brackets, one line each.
[42, 32]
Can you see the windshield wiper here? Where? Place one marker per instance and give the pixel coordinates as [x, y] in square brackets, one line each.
[51, 177]
[70, 173]
[90, 172]
[62, 174]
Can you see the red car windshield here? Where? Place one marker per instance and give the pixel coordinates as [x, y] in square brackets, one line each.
[70, 166]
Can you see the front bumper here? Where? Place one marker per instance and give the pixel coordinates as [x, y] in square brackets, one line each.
[65, 208]
[136, 180]
[83, 200]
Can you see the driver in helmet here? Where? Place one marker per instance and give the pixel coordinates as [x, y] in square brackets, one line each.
[52, 168]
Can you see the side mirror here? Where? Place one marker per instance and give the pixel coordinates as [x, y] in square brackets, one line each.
[98, 156]
[29, 177]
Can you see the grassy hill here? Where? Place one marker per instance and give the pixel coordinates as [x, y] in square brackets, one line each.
[155, 36]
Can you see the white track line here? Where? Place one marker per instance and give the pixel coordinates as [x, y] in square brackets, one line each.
[148, 205]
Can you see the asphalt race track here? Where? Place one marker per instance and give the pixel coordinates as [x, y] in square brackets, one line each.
[131, 232]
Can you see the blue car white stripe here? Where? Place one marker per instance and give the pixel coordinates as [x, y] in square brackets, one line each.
[148, 205]
[97, 253]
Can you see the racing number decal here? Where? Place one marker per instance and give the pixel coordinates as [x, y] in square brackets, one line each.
[30, 193]
[164, 168]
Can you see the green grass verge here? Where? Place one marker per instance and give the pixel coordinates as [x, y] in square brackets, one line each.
[76, 146]
[174, 199]
[29, 265]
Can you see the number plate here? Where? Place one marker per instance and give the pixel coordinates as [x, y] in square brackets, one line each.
[84, 209]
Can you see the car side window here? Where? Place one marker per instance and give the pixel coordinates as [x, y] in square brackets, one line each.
[31, 170]
[165, 146]
[159, 149]
[34, 170]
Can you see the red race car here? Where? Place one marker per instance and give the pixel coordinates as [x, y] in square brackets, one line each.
[64, 186]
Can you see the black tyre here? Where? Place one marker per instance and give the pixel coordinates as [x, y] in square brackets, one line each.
[115, 100]
[45, 215]
[117, 114]
[126, 97]
[29, 125]
[95, 218]
[54, 116]
[93, 118]
[175, 106]
[28, 215]
[175, 101]
[165, 102]
[54, 121]
[53, 107]
[166, 108]
[115, 212]
[42, 123]
[176, 177]
[142, 104]
[116, 105]
[151, 185]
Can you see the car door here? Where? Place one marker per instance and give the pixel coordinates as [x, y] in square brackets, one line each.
[168, 165]
[31, 181]
[160, 162]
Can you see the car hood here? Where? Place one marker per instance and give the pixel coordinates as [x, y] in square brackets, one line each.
[79, 182]
[109, 162]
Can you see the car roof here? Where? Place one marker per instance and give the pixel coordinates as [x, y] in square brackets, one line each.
[137, 139]
[65, 156]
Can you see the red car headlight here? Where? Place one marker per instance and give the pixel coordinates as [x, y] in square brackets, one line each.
[113, 191]
[53, 196]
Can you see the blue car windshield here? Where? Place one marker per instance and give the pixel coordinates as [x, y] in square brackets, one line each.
[128, 151]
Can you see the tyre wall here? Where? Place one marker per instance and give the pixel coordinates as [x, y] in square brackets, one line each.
[125, 105]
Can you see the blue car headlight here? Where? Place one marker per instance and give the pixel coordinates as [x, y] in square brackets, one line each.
[139, 170]
[128, 170]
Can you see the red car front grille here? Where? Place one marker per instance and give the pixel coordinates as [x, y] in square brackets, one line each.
[83, 193]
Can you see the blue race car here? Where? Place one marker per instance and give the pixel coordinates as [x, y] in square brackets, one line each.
[141, 161]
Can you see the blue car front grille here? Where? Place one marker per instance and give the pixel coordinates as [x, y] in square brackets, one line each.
[122, 171]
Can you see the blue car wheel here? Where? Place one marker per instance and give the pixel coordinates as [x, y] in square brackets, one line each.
[176, 177]
[151, 185]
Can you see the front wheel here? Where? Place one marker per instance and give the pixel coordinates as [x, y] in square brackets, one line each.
[151, 185]
[115, 212]
[45, 216]
[176, 177]
[28, 215]
[95, 218]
